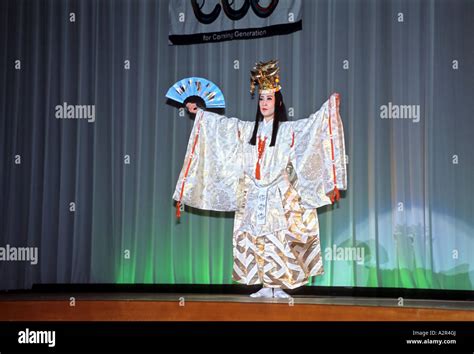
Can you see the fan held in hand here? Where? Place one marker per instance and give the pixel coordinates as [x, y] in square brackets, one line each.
[197, 88]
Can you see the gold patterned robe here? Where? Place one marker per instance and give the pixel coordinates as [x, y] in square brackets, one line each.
[276, 230]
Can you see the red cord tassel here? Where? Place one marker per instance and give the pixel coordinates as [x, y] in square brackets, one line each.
[261, 148]
[335, 196]
[178, 210]
[333, 107]
[257, 170]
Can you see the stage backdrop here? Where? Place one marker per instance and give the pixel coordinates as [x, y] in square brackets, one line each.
[90, 151]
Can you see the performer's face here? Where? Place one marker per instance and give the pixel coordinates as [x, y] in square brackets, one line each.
[267, 104]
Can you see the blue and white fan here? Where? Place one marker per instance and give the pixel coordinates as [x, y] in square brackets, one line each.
[208, 91]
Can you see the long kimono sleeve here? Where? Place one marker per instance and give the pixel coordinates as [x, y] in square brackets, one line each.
[319, 155]
[209, 179]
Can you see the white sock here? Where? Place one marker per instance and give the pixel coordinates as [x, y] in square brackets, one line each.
[279, 293]
[263, 292]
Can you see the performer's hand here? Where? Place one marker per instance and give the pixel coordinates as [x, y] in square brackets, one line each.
[191, 107]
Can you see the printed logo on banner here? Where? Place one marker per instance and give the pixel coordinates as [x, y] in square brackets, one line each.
[204, 21]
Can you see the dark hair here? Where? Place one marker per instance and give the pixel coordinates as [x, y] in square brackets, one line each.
[279, 116]
[197, 100]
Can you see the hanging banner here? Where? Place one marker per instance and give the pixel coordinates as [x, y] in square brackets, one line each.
[206, 21]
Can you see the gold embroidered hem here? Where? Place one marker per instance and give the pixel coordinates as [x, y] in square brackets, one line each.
[282, 259]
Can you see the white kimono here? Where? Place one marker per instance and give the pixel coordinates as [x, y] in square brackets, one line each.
[276, 230]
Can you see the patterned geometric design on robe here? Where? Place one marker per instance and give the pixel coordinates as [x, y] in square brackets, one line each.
[312, 156]
[213, 176]
[284, 259]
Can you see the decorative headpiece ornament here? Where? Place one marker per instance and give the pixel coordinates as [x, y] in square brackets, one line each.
[266, 75]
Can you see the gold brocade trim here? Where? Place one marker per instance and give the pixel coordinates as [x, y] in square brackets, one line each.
[285, 258]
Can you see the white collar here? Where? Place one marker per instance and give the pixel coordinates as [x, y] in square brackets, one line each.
[265, 123]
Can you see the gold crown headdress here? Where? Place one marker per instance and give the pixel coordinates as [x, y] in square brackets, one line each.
[266, 76]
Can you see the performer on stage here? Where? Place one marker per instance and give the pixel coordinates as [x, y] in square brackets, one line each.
[274, 174]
